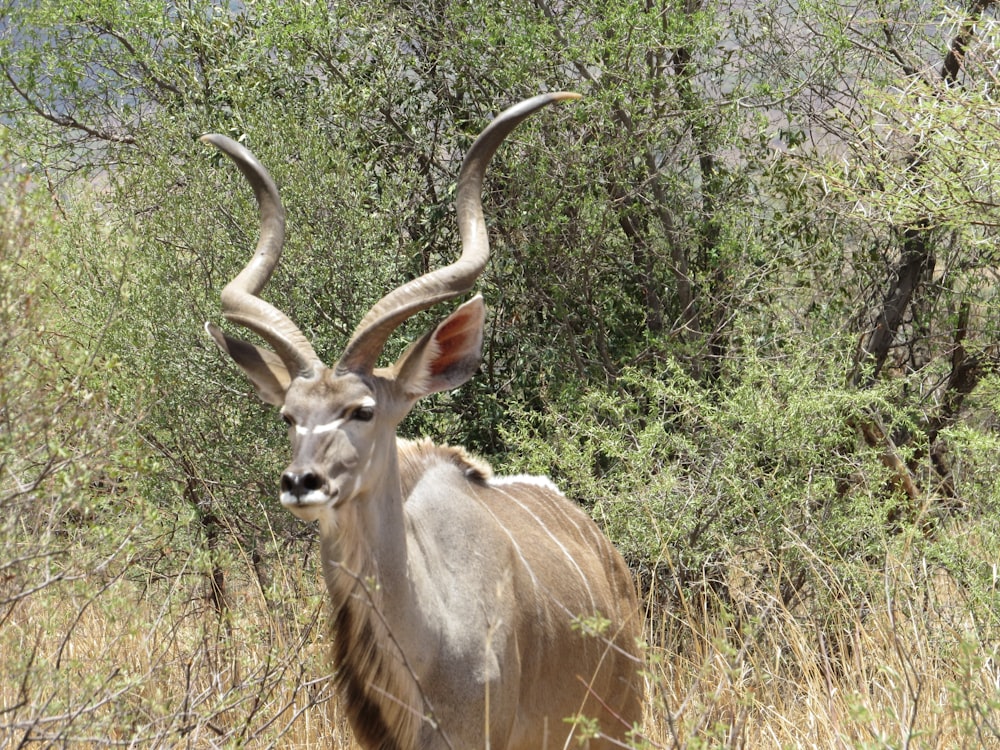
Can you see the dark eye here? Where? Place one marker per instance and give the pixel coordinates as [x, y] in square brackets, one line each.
[363, 413]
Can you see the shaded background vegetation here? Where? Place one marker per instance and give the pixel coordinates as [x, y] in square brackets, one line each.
[742, 307]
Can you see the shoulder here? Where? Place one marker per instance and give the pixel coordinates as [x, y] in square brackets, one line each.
[417, 457]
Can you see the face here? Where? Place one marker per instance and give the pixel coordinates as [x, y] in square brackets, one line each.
[333, 426]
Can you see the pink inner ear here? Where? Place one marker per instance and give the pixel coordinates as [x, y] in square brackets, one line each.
[453, 339]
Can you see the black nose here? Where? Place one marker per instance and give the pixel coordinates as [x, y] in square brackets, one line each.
[300, 484]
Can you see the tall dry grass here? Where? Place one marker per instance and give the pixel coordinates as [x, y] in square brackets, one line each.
[913, 668]
[118, 662]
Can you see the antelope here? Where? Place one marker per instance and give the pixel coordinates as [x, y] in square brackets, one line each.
[469, 611]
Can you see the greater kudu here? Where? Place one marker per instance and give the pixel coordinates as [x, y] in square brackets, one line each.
[468, 610]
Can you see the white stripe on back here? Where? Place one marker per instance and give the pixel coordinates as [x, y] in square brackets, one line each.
[554, 538]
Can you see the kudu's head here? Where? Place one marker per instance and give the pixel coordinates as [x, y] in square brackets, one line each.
[342, 419]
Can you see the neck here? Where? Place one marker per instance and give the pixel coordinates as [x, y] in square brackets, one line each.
[364, 563]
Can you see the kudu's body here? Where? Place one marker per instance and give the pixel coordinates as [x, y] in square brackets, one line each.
[466, 608]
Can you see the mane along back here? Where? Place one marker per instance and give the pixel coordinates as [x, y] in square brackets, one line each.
[417, 456]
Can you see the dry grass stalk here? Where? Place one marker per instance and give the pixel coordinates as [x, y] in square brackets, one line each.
[107, 666]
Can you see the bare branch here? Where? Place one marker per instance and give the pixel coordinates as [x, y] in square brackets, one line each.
[127, 45]
[64, 121]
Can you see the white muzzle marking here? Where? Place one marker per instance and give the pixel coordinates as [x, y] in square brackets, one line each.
[313, 506]
[314, 497]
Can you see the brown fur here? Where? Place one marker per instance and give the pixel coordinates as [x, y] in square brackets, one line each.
[386, 707]
[379, 694]
[415, 456]
[376, 687]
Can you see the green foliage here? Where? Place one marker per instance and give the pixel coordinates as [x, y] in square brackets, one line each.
[675, 471]
[664, 284]
[689, 268]
[59, 441]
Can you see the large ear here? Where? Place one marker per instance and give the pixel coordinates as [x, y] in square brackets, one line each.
[265, 369]
[445, 357]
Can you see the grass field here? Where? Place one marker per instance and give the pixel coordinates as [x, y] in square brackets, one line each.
[105, 658]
